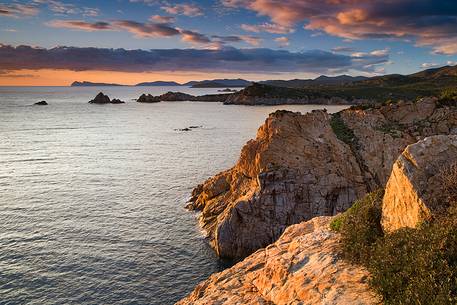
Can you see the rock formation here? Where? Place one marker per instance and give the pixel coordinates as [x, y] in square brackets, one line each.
[148, 99]
[303, 166]
[180, 97]
[42, 103]
[414, 185]
[302, 267]
[104, 99]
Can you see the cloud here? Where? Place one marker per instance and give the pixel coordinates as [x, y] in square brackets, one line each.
[429, 23]
[162, 19]
[194, 37]
[18, 10]
[62, 8]
[190, 10]
[227, 59]
[451, 63]
[283, 41]
[146, 29]
[267, 27]
[80, 25]
[138, 29]
[428, 65]
[252, 40]
[151, 30]
[343, 50]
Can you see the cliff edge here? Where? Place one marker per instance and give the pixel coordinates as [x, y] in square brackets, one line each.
[303, 166]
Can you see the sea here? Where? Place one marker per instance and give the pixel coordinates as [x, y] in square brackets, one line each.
[92, 197]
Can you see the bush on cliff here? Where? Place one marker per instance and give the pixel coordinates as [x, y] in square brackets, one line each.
[409, 266]
[448, 97]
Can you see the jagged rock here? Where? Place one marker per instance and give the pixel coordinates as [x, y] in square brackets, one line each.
[297, 169]
[117, 101]
[148, 99]
[100, 99]
[104, 99]
[414, 185]
[302, 267]
[42, 103]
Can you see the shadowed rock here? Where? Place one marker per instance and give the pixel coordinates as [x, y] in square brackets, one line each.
[42, 103]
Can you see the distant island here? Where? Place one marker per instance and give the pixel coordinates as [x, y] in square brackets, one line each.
[90, 84]
[159, 84]
[215, 83]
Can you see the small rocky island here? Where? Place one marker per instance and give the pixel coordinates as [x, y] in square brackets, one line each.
[104, 99]
[181, 97]
[42, 103]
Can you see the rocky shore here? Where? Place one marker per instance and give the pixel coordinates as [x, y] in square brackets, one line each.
[306, 266]
[303, 166]
[302, 267]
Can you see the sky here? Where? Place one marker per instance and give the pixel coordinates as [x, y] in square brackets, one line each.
[54, 42]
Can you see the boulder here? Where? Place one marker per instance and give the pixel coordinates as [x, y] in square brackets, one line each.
[414, 189]
[100, 99]
[42, 103]
[302, 267]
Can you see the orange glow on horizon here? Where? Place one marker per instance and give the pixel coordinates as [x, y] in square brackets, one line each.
[47, 77]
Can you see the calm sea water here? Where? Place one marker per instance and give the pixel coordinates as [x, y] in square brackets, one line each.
[92, 196]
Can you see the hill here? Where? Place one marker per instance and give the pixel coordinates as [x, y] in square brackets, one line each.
[90, 84]
[159, 84]
[221, 83]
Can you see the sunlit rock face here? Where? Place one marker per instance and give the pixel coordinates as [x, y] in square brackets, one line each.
[302, 267]
[301, 166]
[415, 185]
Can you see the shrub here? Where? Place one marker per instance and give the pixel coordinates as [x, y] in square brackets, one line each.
[448, 97]
[340, 129]
[409, 266]
[360, 227]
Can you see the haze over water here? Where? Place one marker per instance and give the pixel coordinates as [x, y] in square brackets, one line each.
[92, 196]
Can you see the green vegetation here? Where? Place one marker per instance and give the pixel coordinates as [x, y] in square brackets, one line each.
[448, 97]
[378, 89]
[409, 266]
[340, 129]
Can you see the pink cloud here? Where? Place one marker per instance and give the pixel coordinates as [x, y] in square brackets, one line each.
[427, 22]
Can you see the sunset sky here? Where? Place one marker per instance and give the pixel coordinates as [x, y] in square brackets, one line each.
[50, 42]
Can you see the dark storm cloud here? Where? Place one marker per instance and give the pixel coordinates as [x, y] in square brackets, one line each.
[218, 60]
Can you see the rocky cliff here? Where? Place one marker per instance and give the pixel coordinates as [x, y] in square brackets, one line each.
[302, 267]
[302, 166]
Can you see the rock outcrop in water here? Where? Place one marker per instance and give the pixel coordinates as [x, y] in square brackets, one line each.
[303, 166]
[181, 97]
[302, 267]
[415, 186]
[42, 103]
[104, 99]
